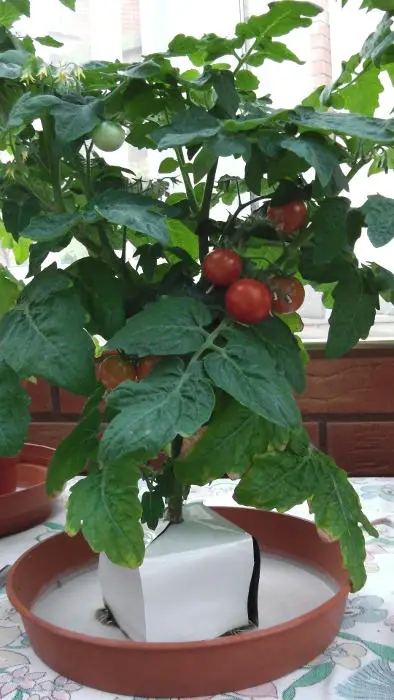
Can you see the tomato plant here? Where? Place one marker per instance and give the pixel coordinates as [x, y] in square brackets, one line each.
[236, 177]
[288, 294]
[289, 217]
[114, 370]
[248, 301]
[108, 136]
[222, 267]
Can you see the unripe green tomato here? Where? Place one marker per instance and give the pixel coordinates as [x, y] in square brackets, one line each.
[108, 136]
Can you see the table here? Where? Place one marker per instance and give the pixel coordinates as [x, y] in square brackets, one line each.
[359, 665]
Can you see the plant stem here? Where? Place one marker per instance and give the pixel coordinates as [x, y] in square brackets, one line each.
[89, 191]
[175, 504]
[355, 169]
[241, 207]
[124, 245]
[203, 238]
[186, 180]
[244, 58]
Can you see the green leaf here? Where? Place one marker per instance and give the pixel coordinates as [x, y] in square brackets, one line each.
[48, 41]
[70, 4]
[17, 213]
[147, 69]
[11, 71]
[284, 479]
[273, 51]
[255, 169]
[224, 86]
[9, 13]
[72, 121]
[151, 413]
[246, 371]
[9, 291]
[329, 223]
[233, 437]
[14, 412]
[246, 81]
[384, 282]
[337, 510]
[44, 335]
[170, 326]
[353, 315]
[75, 452]
[284, 350]
[368, 128]
[29, 107]
[152, 509]
[105, 507]
[362, 96]
[22, 5]
[203, 162]
[379, 217]
[190, 126]
[168, 165]
[138, 212]
[100, 293]
[281, 19]
[317, 153]
[49, 227]
[182, 237]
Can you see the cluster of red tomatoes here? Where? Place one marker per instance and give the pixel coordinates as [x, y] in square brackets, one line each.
[248, 300]
[115, 369]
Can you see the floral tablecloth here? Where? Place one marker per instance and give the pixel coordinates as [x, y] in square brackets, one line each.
[359, 665]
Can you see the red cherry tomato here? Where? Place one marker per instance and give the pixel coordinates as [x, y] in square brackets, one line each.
[146, 365]
[248, 301]
[288, 294]
[222, 267]
[288, 217]
[114, 370]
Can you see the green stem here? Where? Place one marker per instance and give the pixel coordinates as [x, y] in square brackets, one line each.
[89, 189]
[203, 240]
[54, 163]
[240, 208]
[244, 58]
[175, 504]
[355, 169]
[186, 180]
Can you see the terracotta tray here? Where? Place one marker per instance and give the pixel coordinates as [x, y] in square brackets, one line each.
[29, 505]
[191, 669]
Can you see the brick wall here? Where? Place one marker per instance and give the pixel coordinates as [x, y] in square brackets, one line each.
[348, 409]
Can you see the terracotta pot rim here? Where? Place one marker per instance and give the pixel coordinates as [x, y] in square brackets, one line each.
[30, 505]
[230, 641]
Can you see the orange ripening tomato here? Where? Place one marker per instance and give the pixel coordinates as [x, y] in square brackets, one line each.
[114, 370]
[146, 365]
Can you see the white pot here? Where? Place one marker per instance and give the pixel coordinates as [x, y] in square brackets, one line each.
[198, 581]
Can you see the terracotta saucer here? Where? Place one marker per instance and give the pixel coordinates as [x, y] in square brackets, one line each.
[29, 504]
[190, 669]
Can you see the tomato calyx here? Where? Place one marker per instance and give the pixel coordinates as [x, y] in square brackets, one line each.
[222, 267]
